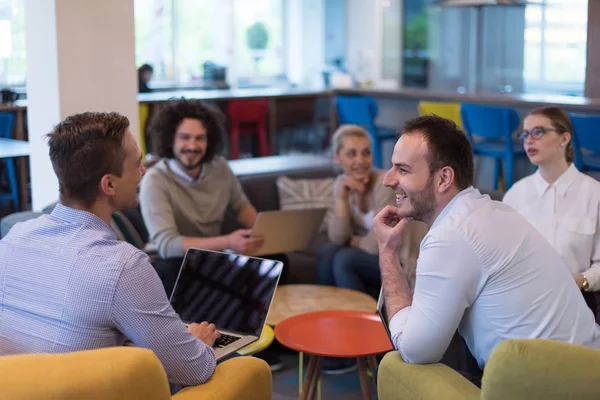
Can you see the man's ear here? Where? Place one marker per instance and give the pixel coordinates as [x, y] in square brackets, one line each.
[446, 179]
[107, 185]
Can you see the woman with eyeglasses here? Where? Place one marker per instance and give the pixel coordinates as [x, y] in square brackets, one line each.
[561, 202]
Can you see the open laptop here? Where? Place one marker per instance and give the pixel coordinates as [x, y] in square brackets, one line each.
[381, 310]
[287, 230]
[232, 291]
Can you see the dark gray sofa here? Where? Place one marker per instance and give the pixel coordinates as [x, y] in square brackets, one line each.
[258, 177]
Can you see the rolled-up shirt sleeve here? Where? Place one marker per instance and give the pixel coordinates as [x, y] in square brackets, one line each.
[448, 273]
[142, 312]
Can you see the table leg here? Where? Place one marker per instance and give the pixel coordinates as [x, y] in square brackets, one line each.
[312, 391]
[312, 363]
[364, 378]
[300, 370]
[372, 360]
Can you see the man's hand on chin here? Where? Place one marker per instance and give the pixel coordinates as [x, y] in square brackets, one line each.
[388, 227]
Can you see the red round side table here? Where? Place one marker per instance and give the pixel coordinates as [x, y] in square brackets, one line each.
[336, 333]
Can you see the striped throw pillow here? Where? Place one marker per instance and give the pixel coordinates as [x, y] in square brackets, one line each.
[295, 194]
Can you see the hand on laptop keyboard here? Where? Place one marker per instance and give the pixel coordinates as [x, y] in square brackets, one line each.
[204, 331]
[225, 339]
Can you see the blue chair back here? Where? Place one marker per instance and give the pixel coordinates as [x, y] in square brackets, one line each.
[358, 110]
[489, 122]
[7, 120]
[586, 134]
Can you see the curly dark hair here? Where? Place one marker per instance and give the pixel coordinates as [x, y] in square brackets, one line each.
[165, 122]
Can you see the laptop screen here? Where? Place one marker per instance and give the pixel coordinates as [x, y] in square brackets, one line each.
[233, 292]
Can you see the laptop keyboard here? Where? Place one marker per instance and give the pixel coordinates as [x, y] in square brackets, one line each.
[225, 340]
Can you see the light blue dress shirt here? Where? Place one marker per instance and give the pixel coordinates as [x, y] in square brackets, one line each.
[68, 284]
[485, 270]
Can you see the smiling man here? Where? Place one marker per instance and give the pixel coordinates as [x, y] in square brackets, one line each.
[185, 196]
[482, 268]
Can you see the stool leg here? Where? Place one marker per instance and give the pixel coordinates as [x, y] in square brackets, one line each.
[497, 171]
[262, 140]
[364, 378]
[235, 141]
[12, 180]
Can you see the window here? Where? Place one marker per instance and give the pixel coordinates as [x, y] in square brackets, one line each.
[12, 43]
[445, 48]
[391, 45]
[556, 46]
[177, 37]
[258, 38]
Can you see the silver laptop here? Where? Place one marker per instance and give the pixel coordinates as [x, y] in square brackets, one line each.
[381, 310]
[287, 230]
[232, 291]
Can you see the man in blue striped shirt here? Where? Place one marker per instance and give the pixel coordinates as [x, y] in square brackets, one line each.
[68, 284]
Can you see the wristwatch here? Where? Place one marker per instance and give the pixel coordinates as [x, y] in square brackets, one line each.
[585, 285]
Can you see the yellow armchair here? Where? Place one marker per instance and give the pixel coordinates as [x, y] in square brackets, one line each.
[123, 373]
[517, 369]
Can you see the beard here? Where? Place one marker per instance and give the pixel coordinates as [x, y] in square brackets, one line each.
[187, 165]
[422, 203]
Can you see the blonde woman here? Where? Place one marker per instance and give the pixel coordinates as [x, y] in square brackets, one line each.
[561, 202]
[352, 261]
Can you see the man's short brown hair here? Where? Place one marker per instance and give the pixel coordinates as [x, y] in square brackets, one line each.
[83, 148]
[448, 146]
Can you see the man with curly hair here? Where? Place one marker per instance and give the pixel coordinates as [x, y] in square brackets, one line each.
[184, 197]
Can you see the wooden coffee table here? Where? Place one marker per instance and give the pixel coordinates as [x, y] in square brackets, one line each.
[292, 300]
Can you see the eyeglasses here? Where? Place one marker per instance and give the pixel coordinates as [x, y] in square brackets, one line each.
[535, 133]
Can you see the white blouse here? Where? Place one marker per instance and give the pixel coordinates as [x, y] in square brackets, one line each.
[567, 214]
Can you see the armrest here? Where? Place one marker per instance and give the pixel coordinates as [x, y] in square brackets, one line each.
[541, 369]
[246, 378]
[399, 380]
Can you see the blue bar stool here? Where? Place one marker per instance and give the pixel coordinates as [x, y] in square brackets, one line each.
[586, 141]
[7, 121]
[362, 110]
[490, 131]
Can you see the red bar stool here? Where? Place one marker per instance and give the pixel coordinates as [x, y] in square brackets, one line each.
[248, 116]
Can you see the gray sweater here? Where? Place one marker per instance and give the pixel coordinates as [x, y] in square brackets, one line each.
[174, 208]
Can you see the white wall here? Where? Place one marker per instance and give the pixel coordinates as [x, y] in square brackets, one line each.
[80, 57]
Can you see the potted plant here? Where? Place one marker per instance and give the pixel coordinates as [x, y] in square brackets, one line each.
[257, 39]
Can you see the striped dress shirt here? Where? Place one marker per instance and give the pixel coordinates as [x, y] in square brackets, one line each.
[68, 284]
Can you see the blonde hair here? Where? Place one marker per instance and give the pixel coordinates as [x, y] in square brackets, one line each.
[345, 131]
